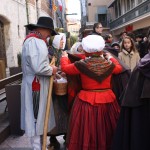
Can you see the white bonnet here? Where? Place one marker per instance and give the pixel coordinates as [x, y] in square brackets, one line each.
[74, 48]
[93, 43]
[57, 39]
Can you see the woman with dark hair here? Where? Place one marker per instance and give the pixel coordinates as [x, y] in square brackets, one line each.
[132, 131]
[97, 29]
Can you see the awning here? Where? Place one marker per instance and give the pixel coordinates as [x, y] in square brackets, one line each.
[111, 4]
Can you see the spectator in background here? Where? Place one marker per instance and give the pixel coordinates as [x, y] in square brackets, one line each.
[108, 40]
[147, 41]
[129, 55]
[131, 35]
[112, 48]
[141, 45]
[97, 29]
[115, 45]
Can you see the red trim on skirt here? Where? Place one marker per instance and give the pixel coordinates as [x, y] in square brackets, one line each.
[92, 127]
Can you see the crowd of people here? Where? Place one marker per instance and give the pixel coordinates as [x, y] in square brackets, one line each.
[106, 106]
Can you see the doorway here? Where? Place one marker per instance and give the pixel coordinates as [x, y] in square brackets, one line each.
[2, 52]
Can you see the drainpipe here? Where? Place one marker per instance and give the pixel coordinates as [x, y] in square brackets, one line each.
[37, 8]
[27, 11]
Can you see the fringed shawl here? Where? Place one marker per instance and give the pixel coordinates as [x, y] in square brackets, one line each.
[97, 68]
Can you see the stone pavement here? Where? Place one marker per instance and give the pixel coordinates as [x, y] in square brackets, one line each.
[17, 142]
[23, 143]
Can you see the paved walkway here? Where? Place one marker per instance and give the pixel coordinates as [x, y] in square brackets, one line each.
[2, 107]
[3, 120]
[23, 143]
[18, 142]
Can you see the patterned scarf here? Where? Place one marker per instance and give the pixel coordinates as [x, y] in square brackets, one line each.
[55, 52]
[36, 34]
[97, 68]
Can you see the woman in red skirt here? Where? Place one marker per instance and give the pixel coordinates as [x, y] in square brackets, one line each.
[95, 111]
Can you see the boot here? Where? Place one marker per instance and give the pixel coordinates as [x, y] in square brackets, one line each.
[54, 143]
[64, 137]
[36, 143]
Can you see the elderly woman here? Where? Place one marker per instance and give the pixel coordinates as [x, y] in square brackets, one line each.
[60, 102]
[95, 111]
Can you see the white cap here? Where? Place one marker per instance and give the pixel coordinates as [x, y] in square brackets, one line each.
[93, 43]
[74, 48]
[57, 39]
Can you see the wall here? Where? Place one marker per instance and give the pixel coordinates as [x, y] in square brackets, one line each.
[14, 31]
[13, 14]
[92, 10]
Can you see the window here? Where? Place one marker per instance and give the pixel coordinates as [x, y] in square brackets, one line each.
[125, 6]
[102, 18]
[119, 8]
[116, 10]
[140, 1]
[132, 4]
[128, 5]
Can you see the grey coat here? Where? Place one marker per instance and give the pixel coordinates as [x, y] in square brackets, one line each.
[35, 62]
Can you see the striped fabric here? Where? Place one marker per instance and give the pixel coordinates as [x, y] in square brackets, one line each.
[35, 96]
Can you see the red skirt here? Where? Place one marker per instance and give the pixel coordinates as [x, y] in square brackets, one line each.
[92, 127]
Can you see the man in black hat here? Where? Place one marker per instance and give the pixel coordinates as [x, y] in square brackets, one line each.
[44, 23]
[35, 82]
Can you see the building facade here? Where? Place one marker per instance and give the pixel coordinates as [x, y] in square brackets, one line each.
[94, 11]
[83, 13]
[73, 18]
[14, 14]
[132, 16]
[60, 13]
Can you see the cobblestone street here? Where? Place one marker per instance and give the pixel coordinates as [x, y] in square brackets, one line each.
[23, 143]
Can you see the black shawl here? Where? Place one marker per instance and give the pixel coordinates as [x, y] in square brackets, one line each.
[133, 128]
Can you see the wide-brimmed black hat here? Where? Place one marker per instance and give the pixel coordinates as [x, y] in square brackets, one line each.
[43, 22]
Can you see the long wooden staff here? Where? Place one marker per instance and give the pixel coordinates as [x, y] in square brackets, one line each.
[47, 114]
